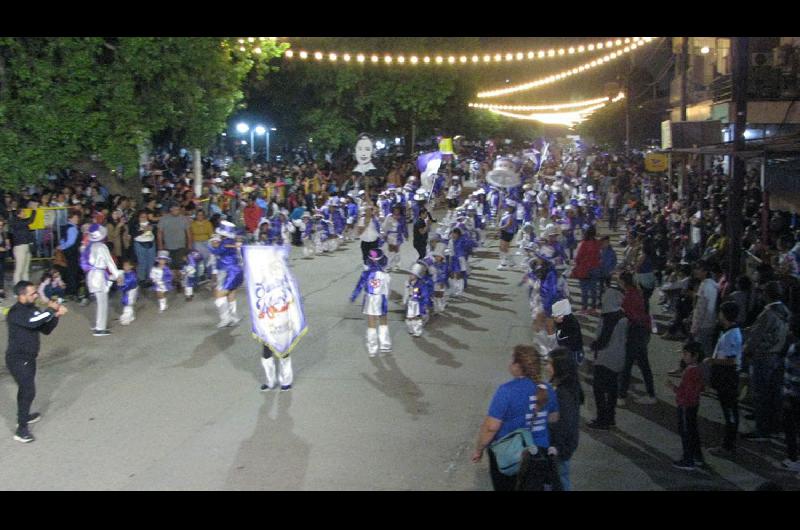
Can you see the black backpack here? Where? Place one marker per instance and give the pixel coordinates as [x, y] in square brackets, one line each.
[538, 472]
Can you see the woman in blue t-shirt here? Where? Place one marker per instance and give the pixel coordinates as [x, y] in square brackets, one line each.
[525, 401]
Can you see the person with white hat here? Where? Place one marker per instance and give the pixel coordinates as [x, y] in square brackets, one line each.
[100, 270]
[229, 273]
[417, 298]
[568, 329]
[437, 268]
[453, 193]
[161, 276]
[375, 284]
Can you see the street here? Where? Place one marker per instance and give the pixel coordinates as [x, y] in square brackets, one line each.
[173, 403]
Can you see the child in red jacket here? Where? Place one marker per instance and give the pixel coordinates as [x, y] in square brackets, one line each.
[687, 399]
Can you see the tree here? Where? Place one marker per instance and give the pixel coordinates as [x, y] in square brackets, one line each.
[64, 100]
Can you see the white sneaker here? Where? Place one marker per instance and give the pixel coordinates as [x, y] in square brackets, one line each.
[790, 465]
[223, 323]
[502, 267]
[647, 400]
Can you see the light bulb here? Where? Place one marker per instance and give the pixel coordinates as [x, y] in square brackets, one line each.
[289, 53]
[541, 54]
[360, 58]
[303, 55]
[346, 57]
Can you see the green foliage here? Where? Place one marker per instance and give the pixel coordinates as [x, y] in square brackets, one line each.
[332, 103]
[70, 98]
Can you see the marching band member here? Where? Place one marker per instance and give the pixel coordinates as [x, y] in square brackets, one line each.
[96, 260]
[161, 276]
[229, 272]
[375, 284]
[417, 298]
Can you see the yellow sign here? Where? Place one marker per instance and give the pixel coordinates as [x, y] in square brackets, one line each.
[655, 162]
[446, 146]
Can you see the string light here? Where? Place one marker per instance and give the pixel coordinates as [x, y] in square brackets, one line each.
[557, 106]
[487, 58]
[553, 78]
[569, 118]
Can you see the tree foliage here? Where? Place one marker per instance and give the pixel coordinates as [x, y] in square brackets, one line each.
[66, 99]
[333, 103]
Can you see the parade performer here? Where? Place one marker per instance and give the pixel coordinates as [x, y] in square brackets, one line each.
[161, 276]
[337, 217]
[229, 273]
[129, 285]
[276, 311]
[417, 297]
[375, 284]
[508, 227]
[392, 233]
[459, 249]
[453, 193]
[100, 269]
[189, 273]
[351, 217]
[437, 266]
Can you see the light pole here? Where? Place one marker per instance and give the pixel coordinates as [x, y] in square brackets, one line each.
[260, 130]
[242, 128]
[268, 130]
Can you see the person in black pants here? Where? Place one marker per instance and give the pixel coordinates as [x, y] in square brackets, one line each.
[25, 322]
[5, 247]
[421, 227]
[70, 246]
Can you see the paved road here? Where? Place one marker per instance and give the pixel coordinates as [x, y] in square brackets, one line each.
[172, 403]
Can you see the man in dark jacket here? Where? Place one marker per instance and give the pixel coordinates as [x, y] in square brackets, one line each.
[25, 322]
[22, 236]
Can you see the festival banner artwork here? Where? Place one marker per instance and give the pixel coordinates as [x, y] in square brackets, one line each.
[276, 307]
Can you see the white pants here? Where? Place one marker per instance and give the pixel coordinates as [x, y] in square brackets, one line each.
[22, 262]
[102, 310]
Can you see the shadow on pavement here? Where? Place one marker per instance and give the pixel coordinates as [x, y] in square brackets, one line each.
[393, 383]
[273, 457]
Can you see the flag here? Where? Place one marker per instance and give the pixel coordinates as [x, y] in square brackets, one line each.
[428, 165]
[276, 307]
[446, 146]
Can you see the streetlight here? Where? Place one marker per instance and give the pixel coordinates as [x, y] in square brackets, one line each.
[260, 130]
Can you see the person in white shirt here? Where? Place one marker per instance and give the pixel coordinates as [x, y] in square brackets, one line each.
[101, 271]
[369, 229]
[704, 316]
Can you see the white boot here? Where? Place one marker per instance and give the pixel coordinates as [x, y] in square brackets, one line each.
[438, 305]
[127, 315]
[372, 341]
[384, 338]
[307, 250]
[416, 326]
[222, 308]
[269, 371]
[503, 261]
[162, 304]
[410, 326]
[285, 373]
[188, 292]
[232, 317]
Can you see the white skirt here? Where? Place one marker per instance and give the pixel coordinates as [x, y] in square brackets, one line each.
[373, 305]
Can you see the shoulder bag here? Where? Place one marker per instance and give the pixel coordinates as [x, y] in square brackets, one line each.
[508, 450]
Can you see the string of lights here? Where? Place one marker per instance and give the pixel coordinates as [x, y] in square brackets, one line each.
[566, 73]
[462, 58]
[569, 118]
[557, 106]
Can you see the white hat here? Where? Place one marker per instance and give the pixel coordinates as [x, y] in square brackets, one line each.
[550, 230]
[163, 254]
[589, 188]
[97, 233]
[145, 191]
[247, 174]
[562, 308]
[224, 174]
[226, 229]
[418, 269]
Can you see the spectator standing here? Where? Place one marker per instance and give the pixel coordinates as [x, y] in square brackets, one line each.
[687, 400]
[525, 401]
[609, 359]
[25, 322]
[22, 236]
[613, 198]
[791, 398]
[638, 338]
[144, 245]
[704, 315]
[588, 269]
[766, 339]
[175, 236]
[724, 365]
[565, 433]
[608, 261]
[202, 230]
[5, 247]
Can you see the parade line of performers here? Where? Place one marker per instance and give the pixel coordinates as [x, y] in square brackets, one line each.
[536, 224]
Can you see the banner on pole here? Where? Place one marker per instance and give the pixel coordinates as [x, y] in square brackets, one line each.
[276, 308]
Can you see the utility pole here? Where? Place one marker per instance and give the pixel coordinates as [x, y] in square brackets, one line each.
[684, 70]
[739, 68]
[628, 106]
